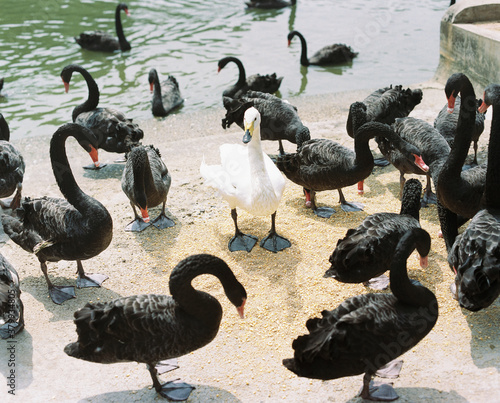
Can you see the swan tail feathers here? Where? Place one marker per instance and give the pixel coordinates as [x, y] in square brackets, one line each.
[217, 178]
[23, 237]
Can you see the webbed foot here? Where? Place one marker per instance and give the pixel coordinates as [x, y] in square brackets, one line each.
[350, 207]
[275, 243]
[90, 280]
[9, 330]
[162, 222]
[324, 212]
[176, 391]
[390, 370]
[378, 283]
[137, 225]
[166, 366]
[242, 242]
[381, 392]
[59, 294]
[381, 162]
[93, 167]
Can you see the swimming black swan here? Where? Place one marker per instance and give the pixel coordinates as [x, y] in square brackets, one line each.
[353, 338]
[11, 168]
[150, 328]
[366, 251]
[461, 191]
[114, 132]
[326, 56]
[146, 182]
[322, 164]
[270, 4]
[77, 227]
[279, 119]
[425, 138]
[166, 96]
[269, 83]
[475, 255]
[11, 306]
[104, 42]
[386, 104]
[446, 124]
[248, 179]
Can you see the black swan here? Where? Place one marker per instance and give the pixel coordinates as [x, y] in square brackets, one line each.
[459, 191]
[11, 168]
[146, 182]
[166, 95]
[475, 255]
[431, 144]
[322, 164]
[270, 4]
[446, 124]
[114, 132]
[77, 227]
[366, 251]
[279, 119]
[151, 328]
[326, 56]
[269, 83]
[104, 42]
[248, 179]
[386, 104]
[353, 338]
[11, 306]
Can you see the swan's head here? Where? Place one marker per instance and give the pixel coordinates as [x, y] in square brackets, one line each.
[251, 122]
[491, 96]
[151, 79]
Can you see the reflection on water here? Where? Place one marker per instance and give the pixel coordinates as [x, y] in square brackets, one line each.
[398, 42]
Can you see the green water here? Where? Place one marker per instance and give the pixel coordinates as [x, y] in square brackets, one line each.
[397, 43]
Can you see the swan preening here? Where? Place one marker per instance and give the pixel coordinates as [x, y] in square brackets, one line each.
[151, 328]
[353, 338]
[77, 227]
[102, 41]
[248, 179]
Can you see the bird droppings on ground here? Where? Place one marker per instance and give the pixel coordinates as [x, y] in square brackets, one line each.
[458, 361]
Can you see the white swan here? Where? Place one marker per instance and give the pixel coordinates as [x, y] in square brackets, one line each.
[248, 179]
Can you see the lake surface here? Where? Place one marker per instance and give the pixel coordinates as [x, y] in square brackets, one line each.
[398, 43]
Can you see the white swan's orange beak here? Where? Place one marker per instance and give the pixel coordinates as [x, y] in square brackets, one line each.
[95, 156]
[145, 214]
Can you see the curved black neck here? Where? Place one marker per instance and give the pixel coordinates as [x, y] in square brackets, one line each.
[124, 45]
[4, 129]
[465, 127]
[158, 108]
[401, 286]
[62, 170]
[242, 79]
[304, 61]
[93, 98]
[492, 188]
[198, 303]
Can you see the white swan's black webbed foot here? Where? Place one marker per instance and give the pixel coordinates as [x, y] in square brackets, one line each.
[137, 225]
[90, 280]
[162, 222]
[350, 207]
[176, 391]
[93, 167]
[241, 241]
[165, 366]
[59, 294]
[324, 212]
[378, 283]
[275, 243]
